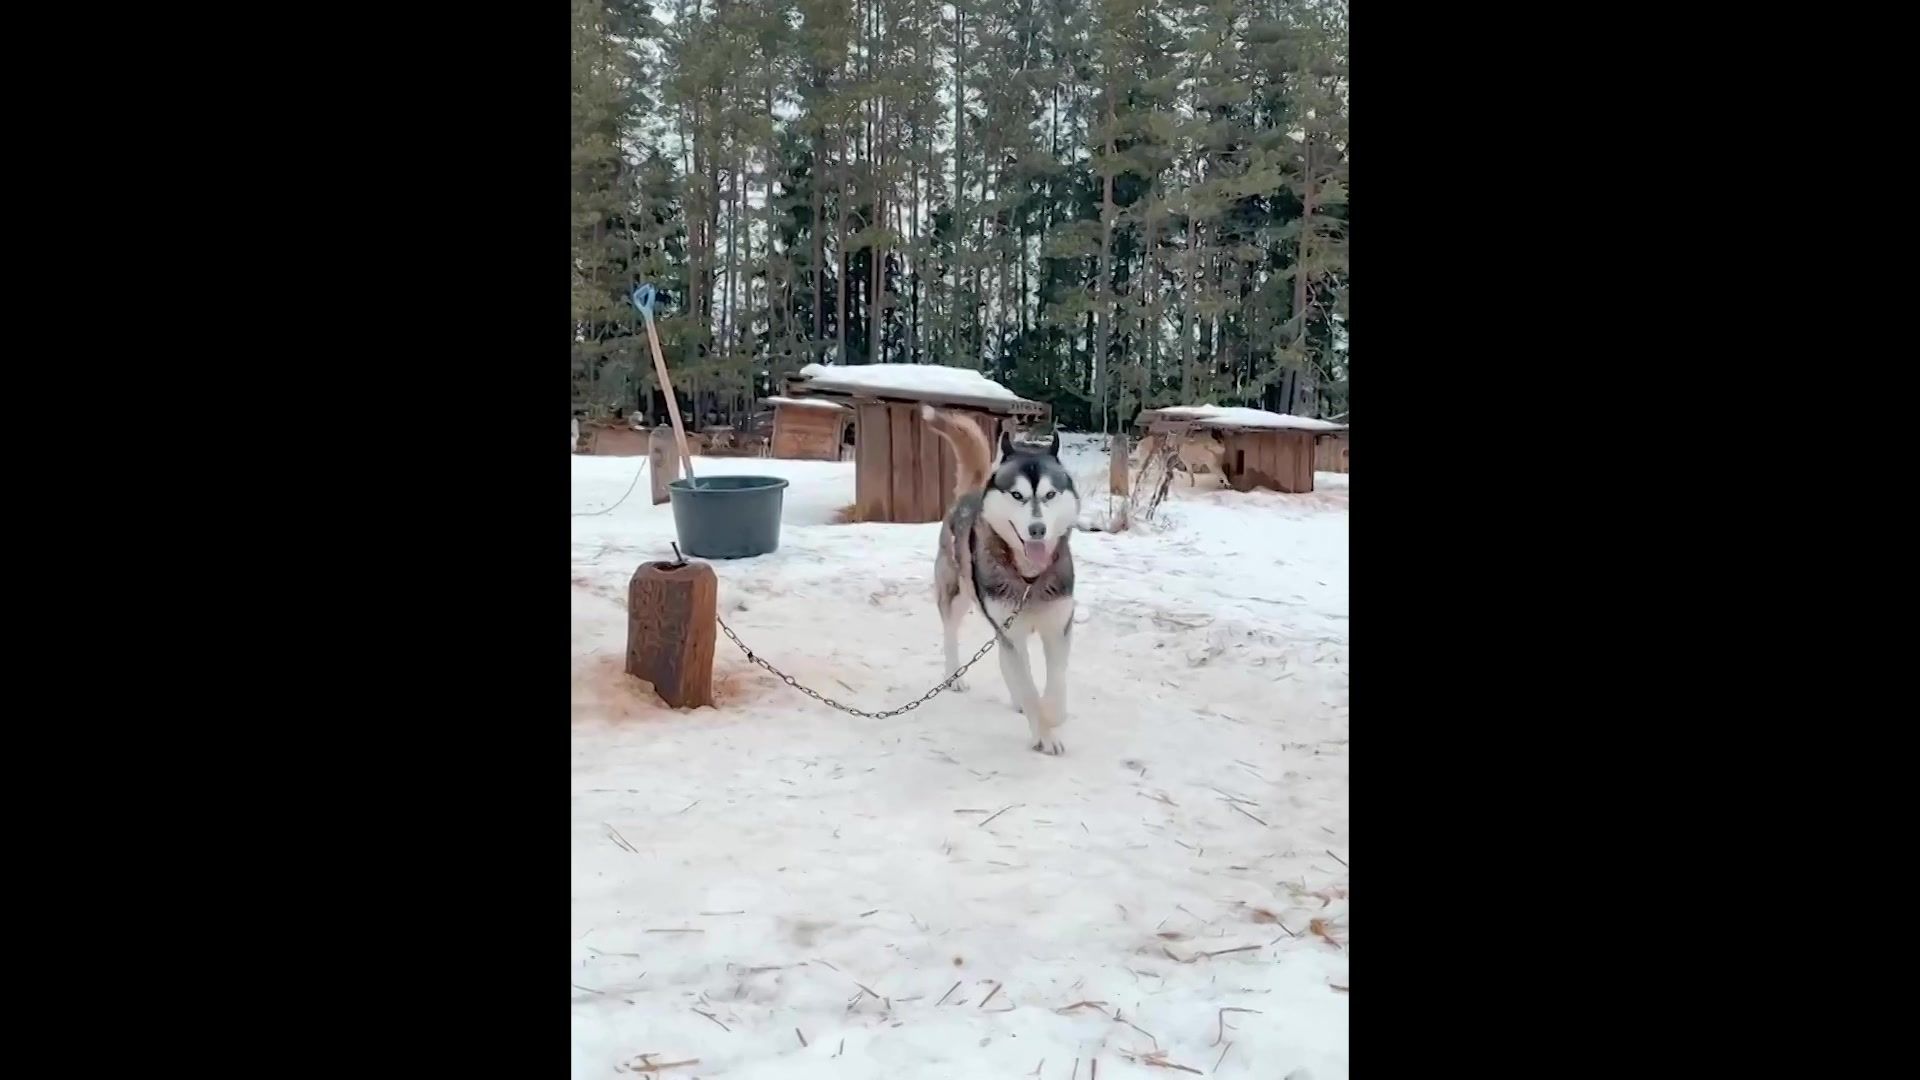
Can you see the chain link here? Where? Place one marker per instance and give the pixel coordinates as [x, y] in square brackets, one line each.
[755, 658]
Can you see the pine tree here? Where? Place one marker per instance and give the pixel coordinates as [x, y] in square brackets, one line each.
[624, 213]
[1132, 203]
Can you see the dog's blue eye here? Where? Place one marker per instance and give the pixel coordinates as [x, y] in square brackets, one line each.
[1017, 497]
[1049, 496]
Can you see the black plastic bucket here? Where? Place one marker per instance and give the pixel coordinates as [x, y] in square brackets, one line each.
[727, 517]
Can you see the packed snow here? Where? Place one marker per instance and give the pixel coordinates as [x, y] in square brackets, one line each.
[1235, 414]
[807, 403]
[906, 380]
[770, 888]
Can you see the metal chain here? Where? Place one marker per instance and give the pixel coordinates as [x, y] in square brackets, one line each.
[621, 499]
[755, 658]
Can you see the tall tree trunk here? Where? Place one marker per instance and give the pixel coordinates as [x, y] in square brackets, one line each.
[900, 229]
[1092, 325]
[1187, 299]
[959, 174]
[1216, 288]
[840, 252]
[865, 64]
[913, 244]
[877, 249]
[1050, 336]
[732, 268]
[1100, 286]
[1150, 277]
[698, 239]
[1300, 249]
[818, 229]
[778, 329]
[989, 231]
[1026, 241]
[710, 207]
[978, 345]
[690, 170]
[1005, 334]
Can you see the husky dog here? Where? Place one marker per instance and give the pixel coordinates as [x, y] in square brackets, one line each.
[1005, 537]
[1190, 451]
[1202, 448]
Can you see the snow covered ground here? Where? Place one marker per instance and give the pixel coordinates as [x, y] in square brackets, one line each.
[780, 890]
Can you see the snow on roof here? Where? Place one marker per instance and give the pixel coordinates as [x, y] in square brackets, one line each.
[806, 403]
[1238, 416]
[930, 381]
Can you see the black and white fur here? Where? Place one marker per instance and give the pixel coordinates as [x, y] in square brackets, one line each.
[1006, 537]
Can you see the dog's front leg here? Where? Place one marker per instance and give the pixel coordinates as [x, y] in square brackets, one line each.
[953, 612]
[1056, 641]
[1019, 676]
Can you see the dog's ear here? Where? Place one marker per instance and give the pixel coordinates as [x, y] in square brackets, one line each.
[1053, 447]
[1006, 443]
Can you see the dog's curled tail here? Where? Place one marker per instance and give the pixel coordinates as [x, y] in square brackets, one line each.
[970, 448]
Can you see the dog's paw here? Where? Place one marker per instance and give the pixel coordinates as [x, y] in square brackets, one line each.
[1050, 744]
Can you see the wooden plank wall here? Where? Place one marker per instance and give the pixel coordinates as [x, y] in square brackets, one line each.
[904, 475]
[618, 442]
[1296, 455]
[990, 427]
[873, 447]
[1330, 453]
[933, 485]
[903, 470]
[1277, 460]
[803, 434]
[1241, 461]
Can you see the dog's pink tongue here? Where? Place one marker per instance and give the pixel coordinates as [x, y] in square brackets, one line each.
[1036, 552]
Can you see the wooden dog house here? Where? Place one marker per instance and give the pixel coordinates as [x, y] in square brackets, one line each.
[809, 429]
[1263, 449]
[615, 440]
[903, 471]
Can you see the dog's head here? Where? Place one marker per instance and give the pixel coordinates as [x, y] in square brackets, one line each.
[1030, 501]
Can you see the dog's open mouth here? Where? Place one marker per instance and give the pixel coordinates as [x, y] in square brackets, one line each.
[1035, 551]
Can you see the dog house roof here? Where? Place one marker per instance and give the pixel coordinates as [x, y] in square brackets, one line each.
[1235, 418]
[934, 384]
[806, 403]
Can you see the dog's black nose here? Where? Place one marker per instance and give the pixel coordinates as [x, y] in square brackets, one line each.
[1037, 530]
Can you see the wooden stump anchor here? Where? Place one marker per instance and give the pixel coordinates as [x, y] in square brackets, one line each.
[664, 463]
[671, 630]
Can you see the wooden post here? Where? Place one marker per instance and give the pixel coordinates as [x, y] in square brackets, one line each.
[1117, 466]
[662, 460]
[671, 630]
